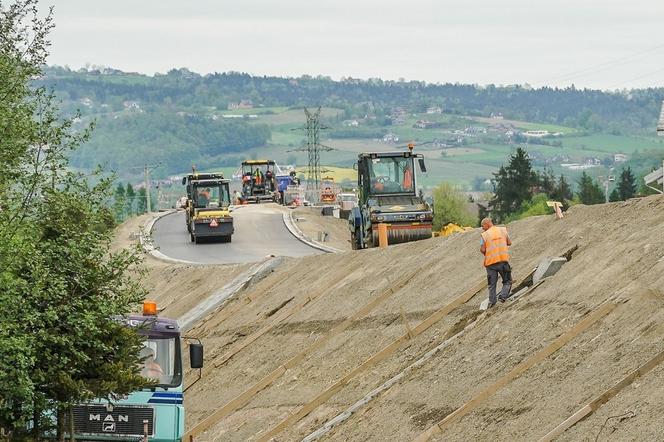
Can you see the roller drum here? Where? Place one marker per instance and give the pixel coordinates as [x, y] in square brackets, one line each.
[401, 233]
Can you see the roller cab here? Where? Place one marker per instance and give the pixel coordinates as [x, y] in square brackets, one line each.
[209, 210]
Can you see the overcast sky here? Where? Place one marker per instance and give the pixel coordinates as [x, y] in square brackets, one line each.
[591, 43]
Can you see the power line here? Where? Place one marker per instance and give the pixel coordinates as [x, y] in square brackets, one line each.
[637, 78]
[604, 66]
[146, 176]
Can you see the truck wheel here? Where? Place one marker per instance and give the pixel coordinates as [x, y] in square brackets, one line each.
[192, 238]
[197, 239]
[226, 238]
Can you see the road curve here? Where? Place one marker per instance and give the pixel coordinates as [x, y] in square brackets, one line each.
[259, 231]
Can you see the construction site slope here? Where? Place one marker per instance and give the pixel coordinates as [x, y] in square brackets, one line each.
[389, 344]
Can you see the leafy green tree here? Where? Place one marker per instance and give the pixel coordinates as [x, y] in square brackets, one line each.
[450, 206]
[536, 206]
[59, 287]
[590, 191]
[514, 185]
[627, 184]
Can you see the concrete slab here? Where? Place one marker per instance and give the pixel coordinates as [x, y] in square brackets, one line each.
[547, 267]
[518, 294]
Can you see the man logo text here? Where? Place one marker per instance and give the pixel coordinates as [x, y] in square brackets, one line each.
[109, 418]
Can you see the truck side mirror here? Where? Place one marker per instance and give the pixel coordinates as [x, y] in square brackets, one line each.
[184, 180]
[423, 167]
[354, 166]
[196, 355]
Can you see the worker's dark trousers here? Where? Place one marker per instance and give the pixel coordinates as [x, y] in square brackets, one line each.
[505, 271]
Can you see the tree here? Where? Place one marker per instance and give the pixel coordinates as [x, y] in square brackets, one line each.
[141, 201]
[627, 184]
[590, 191]
[450, 207]
[562, 192]
[546, 182]
[514, 184]
[614, 196]
[119, 202]
[130, 196]
[60, 288]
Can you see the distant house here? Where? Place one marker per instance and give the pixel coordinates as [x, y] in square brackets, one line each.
[390, 138]
[243, 104]
[619, 157]
[434, 110]
[473, 130]
[131, 105]
[588, 163]
[536, 133]
[398, 116]
[426, 124]
[86, 102]
[351, 123]
[497, 116]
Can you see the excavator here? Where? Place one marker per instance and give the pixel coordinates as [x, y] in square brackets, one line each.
[387, 183]
[208, 207]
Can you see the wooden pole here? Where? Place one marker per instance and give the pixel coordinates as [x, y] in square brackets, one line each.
[600, 400]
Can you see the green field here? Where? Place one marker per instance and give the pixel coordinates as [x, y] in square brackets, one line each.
[262, 111]
[612, 143]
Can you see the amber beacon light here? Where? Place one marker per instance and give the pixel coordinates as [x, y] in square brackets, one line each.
[149, 308]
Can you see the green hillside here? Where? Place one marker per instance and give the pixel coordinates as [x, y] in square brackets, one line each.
[466, 132]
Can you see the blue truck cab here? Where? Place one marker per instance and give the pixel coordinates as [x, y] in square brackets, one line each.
[155, 413]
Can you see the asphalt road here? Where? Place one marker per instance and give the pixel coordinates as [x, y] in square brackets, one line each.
[259, 231]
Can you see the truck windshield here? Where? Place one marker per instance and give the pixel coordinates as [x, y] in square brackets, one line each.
[392, 175]
[211, 195]
[162, 361]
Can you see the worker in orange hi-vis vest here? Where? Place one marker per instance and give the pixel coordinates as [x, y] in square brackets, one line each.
[408, 179]
[494, 246]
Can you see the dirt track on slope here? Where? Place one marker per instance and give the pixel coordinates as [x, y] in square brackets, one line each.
[619, 258]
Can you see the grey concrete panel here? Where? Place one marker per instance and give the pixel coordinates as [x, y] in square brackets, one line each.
[547, 267]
